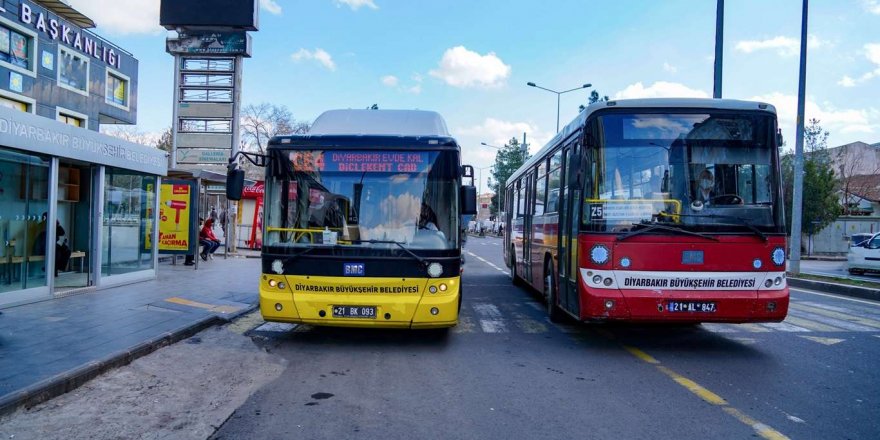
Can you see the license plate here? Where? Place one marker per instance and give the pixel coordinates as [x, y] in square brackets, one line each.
[691, 306]
[368, 312]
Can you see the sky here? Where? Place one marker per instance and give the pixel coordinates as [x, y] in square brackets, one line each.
[470, 60]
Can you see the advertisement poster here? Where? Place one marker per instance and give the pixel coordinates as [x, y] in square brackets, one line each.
[4, 41]
[176, 217]
[218, 43]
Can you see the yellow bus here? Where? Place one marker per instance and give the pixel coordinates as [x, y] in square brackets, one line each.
[362, 221]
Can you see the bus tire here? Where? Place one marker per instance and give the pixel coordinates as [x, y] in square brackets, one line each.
[550, 294]
[517, 281]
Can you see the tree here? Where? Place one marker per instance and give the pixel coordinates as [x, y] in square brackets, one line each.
[165, 140]
[508, 159]
[820, 203]
[261, 122]
[594, 98]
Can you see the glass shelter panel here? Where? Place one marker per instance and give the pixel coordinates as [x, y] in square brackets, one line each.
[129, 198]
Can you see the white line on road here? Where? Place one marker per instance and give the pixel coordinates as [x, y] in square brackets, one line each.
[275, 327]
[493, 325]
[812, 292]
[785, 327]
[487, 310]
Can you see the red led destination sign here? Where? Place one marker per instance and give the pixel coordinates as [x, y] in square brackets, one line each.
[362, 161]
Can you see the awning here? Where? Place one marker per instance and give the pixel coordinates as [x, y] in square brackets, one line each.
[67, 12]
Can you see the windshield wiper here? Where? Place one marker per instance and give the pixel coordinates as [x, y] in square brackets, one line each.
[660, 227]
[742, 221]
[399, 244]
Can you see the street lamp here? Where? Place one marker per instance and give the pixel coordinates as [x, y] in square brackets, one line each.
[558, 94]
[523, 148]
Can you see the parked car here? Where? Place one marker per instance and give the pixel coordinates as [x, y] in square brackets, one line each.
[858, 239]
[864, 257]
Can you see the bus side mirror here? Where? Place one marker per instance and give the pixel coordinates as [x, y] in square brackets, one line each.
[779, 140]
[234, 184]
[468, 200]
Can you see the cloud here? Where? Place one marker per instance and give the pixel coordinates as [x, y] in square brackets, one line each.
[835, 120]
[846, 82]
[356, 4]
[872, 54]
[872, 6]
[271, 6]
[669, 68]
[319, 55]
[415, 90]
[390, 80]
[498, 132]
[139, 17]
[660, 89]
[784, 46]
[463, 68]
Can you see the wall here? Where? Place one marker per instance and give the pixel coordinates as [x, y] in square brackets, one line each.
[834, 238]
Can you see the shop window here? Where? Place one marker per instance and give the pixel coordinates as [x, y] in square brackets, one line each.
[205, 126]
[117, 92]
[17, 48]
[129, 197]
[73, 71]
[24, 190]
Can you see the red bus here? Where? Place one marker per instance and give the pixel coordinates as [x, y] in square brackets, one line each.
[654, 210]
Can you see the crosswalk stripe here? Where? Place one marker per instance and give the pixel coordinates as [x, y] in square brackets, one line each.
[866, 312]
[528, 325]
[823, 341]
[752, 328]
[782, 326]
[719, 328]
[465, 325]
[275, 327]
[487, 310]
[850, 326]
[811, 325]
[493, 326]
[842, 316]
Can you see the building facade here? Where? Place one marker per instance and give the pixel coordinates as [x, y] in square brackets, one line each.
[78, 209]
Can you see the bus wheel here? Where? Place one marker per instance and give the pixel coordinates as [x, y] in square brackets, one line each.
[550, 293]
[517, 281]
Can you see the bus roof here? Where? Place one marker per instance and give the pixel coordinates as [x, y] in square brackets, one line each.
[380, 123]
[649, 103]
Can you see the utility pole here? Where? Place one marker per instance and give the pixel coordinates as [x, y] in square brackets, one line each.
[525, 147]
[798, 193]
[719, 47]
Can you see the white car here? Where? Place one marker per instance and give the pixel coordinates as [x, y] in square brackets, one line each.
[864, 257]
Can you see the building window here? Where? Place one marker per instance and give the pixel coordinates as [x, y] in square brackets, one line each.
[23, 105]
[70, 117]
[205, 126]
[209, 64]
[206, 95]
[73, 71]
[17, 48]
[117, 91]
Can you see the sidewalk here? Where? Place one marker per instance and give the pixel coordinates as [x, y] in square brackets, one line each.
[51, 347]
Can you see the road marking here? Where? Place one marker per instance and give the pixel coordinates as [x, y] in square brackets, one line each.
[209, 307]
[465, 325]
[486, 261]
[276, 327]
[841, 316]
[761, 429]
[753, 328]
[785, 327]
[719, 328]
[487, 310]
[528, 325]
[812, 292]
[811, 325]
[493, 326]
[490, 318]
[831, 321]
[693, 387]
[746, 341]
[824, 341]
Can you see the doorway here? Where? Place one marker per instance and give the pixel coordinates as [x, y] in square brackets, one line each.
[73, 244]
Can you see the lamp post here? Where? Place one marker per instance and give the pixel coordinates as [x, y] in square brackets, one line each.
[558, 94]
[480, 191]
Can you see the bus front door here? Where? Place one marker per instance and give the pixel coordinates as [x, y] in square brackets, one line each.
[569, 196]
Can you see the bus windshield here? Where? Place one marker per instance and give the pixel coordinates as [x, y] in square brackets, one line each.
[714, 172]
[365, 199]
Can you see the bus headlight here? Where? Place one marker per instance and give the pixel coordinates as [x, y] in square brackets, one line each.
[778, 256]
[273, 283]
[435, 270]
[599, 254]
[442, 287]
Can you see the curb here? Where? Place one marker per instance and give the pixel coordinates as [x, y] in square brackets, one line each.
[61, 383]
[837, 289]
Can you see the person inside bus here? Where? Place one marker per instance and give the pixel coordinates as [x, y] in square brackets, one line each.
[427, 218]
[705, 186]
[324, 213]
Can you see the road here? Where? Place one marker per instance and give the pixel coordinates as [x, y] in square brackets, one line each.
[507, 373]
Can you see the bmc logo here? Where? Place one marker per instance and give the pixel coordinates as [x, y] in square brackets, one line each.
[353, 269]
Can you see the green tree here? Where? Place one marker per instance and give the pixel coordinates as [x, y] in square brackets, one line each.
[508, 159]
[594, 98]
[820, 203]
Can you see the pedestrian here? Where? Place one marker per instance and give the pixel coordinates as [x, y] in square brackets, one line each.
[208, 240]
[223, 220]
[213, 216]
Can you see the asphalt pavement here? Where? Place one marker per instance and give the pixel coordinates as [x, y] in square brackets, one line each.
[507, 372]
[836, 269]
